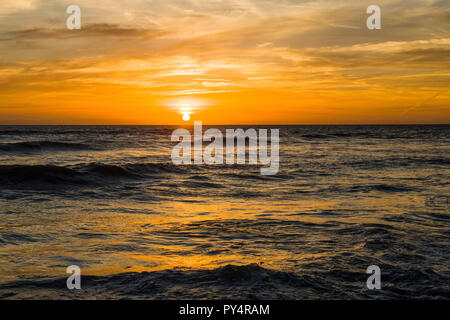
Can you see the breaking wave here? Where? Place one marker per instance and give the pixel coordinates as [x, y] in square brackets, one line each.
[83, 173]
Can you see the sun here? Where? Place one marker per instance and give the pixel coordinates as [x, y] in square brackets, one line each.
[186, 117]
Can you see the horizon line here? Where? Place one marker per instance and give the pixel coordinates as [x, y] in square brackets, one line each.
[260, 124]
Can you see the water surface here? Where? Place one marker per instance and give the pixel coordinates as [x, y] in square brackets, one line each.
[108, 199]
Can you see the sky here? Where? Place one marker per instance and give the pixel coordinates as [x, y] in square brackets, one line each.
[224, 62]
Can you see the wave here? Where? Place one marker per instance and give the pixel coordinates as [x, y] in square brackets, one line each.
[92, 173]
[371, 132]
[43, 146]
[334, 135]
[232, 282]
[367, 188]
[229, 282]
[83, 130]
[16, 174]
[398, 162]
[103, 174]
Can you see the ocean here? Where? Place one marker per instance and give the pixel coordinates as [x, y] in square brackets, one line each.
[109, 200]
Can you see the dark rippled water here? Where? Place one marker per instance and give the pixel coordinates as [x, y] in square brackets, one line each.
[108, 199]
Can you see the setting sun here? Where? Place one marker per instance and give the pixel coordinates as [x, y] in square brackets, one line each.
[186, 117]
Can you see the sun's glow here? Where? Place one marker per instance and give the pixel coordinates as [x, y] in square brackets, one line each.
[186, 106]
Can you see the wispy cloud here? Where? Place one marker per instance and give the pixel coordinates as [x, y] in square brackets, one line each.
[90, 30]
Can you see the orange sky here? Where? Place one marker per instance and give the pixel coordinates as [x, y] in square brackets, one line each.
[224, 62]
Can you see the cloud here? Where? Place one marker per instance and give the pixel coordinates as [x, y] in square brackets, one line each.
[10, 6]
[91, 30]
